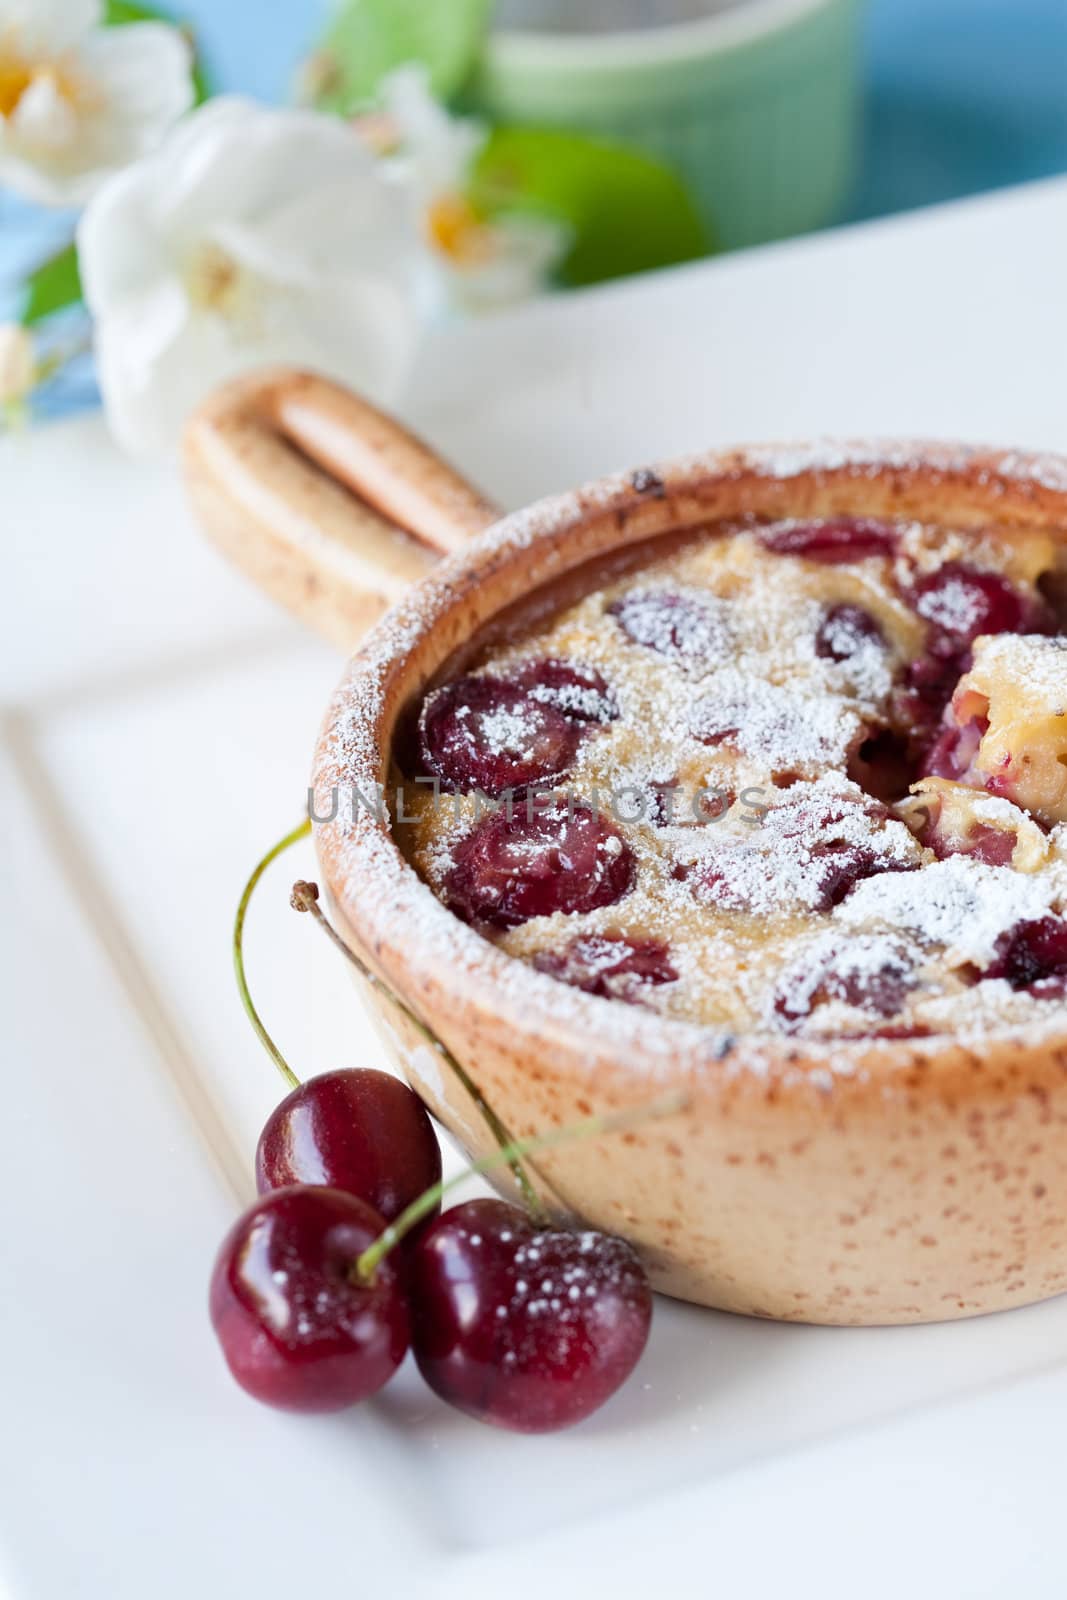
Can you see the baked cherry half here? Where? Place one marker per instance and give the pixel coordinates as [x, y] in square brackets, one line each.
[492, 735]
[579, 692]
[837, 540]
[527, 1327]
[297, 1327]
[356, 1129]
[960, 602]
[610, 964]
[847, 631]
[869, 972]
[1033, 956]
[681, 626]
[524, 862]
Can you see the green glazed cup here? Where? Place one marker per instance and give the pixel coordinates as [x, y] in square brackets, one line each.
[756, 106]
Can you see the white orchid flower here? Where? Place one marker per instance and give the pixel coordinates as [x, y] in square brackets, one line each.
[251, 236]
[478, 263]
[79, 101]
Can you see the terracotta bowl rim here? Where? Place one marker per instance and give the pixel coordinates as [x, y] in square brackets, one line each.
[427, 954]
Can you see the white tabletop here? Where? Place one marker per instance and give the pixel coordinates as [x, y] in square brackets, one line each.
[156, 738]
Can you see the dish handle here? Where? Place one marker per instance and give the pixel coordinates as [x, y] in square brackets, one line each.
[332, 507]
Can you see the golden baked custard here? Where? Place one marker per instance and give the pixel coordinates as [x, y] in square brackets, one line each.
[802, 778]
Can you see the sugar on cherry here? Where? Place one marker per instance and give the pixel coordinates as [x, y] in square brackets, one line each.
[612, 965]
[846, 631]
[679, 626]
[496, 733]
[355, 1129]
[959, 602]
[300, 1327]
[491, 735]
[521, 1323]
[313, 1305]
[526, 861]
[526, 1327]
[578, 691]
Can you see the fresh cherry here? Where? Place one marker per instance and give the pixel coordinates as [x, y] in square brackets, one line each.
[838, 540]
[357, 1130]
[1033, 956]
[522, 862]
[298, 1328]
[676, 625]
[527, 1327]
[611, 965]
[488, 734]
[579, 692]
[846, 631]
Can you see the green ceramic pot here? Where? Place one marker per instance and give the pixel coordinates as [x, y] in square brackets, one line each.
[756, 107]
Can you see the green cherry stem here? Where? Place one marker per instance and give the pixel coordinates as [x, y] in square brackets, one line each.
[238, 952]
[305, 897]
[589, 1127]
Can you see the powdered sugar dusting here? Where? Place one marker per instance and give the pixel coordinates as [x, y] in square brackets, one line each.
[959, 903]
[756, 669]
[776, 724]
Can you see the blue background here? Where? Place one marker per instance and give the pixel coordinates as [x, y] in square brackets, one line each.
[962, 96]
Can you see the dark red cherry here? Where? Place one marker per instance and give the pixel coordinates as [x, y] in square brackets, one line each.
[832, 870]
[609, 964]
[953, 749]
[579, 692]
[357, 1130]
[677, 625]
[919, 701]
[1032, 955]
[838, 867]
[483, 733]
[832, 542]
[867, 972]
[845, 631]
[297, 1328]
[960, 602]
[522, 862]
[526, 1327]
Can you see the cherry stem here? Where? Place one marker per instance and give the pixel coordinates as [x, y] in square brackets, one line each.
[238, 952]
[590, 1127]
[305, 897]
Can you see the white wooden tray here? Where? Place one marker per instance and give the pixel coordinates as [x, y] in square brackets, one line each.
[159, 718]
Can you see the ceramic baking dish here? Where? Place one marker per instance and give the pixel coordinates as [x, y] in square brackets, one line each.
[872, 1181]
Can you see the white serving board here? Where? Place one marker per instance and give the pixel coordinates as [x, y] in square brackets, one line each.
[158, 725]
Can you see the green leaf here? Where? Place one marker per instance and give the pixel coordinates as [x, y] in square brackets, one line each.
[118, 12]
[627, 211]
[370, 38]
[54, 285]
